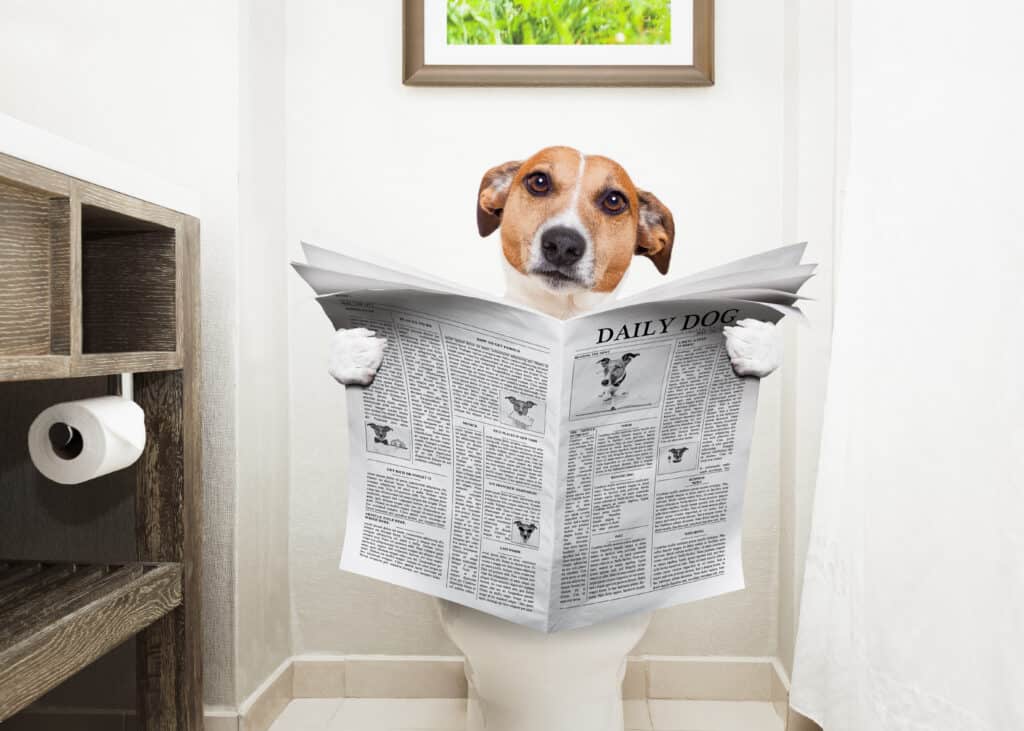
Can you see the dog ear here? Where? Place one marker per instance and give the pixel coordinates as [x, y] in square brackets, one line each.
[629, 356]
[490, 200]
[656, 231]
[604, 361]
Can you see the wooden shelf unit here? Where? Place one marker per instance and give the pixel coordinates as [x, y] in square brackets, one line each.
[94, 282]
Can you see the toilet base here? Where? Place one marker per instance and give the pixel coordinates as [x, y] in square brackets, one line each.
[523, 679]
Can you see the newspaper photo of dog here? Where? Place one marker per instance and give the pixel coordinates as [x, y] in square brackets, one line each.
[524, 533]
[678, 457]
[394, 441]
[618, 380]
[522, 412]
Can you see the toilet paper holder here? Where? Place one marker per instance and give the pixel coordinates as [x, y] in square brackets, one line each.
[67, 441]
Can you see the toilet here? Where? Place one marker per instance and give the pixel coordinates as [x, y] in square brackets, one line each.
[520, 678]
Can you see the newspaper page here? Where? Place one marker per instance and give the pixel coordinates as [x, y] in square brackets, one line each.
[552, 473]
[653, 457]
[454, 450]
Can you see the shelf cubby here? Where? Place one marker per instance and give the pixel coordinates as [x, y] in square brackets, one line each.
[128, 283]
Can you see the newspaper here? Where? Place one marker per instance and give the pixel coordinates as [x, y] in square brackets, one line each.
[555, 473]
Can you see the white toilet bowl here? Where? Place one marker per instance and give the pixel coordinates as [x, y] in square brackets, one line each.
[523, 679]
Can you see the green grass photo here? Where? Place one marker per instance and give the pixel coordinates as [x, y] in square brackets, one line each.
[559, 22]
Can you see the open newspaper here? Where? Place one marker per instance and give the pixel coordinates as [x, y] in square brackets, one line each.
[555, 473]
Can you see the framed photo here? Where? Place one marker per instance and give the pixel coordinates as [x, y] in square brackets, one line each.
[559, 42]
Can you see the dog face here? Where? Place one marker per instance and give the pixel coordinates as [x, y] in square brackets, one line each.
[525, 530]
[571, 221]
[520, 407]
[675, 454]
[380, 433]
[615, 369]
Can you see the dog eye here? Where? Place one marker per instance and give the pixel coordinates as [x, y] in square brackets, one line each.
[614, 202]
[538, 183]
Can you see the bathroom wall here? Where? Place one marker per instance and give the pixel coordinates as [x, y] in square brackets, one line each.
[262, 600]
[814, 149]
[291, 121]
[185, 92]
[393, 171]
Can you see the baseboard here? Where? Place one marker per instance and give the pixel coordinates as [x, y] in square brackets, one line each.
[417, 676]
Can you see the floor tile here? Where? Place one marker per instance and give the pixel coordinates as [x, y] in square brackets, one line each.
[307, 714]
[714, 716]
[638, 718]
[370, 714]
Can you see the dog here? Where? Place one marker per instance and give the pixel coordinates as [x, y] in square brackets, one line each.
[520, 415]
[571, 225]
[614, 374]
[521, 408]
[675, 454]
[525, 530]
[380, 433]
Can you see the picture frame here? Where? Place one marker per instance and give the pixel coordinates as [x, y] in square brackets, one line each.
[429, 60]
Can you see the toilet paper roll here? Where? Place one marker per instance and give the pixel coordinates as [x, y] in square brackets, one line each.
[76, 441]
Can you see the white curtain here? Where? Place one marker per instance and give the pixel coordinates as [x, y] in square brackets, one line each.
[912, 614]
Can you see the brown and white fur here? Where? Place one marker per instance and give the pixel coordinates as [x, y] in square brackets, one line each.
[571, 225]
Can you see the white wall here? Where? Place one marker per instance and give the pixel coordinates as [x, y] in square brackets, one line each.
[394, 170]
[262, 601]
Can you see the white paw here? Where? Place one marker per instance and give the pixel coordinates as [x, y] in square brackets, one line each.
[754, 347]
[355, 356]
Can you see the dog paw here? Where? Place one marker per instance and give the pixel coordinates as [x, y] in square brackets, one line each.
[355, 356]
[754, 347]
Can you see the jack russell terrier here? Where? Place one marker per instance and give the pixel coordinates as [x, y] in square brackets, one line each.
[614, 374]
[570, 227]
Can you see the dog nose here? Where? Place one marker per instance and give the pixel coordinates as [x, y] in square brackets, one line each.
[562, 246]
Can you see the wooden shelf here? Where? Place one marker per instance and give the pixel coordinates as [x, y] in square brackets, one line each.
[38, 367]
[95, 282]
[56, 618]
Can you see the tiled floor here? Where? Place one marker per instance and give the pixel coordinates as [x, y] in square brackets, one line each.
[445, 714]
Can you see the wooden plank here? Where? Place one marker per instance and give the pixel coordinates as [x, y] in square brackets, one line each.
[16, 620]
[60, 276]
[24, 271]
[75, 262]
[49, 655]
[33, 176]
[191, 676]
[105, 364]
[49, 575]
[17, 572]
[168, 521]
[94, 195]
[34, 367]
[160, 536]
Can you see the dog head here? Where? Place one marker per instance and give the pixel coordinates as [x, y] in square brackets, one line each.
[573, 222]
[520, 407]
[675, 454]
[615, 368]
[380, 432]
[525, 530]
